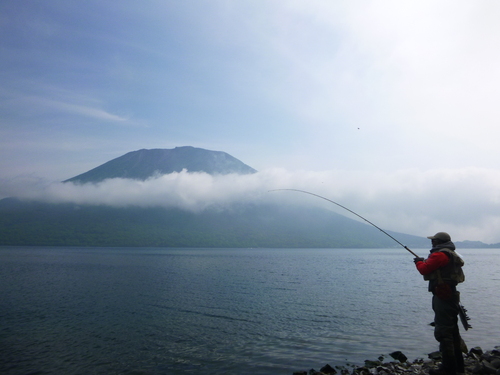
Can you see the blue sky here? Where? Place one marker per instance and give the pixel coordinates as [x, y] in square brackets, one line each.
[389, 107]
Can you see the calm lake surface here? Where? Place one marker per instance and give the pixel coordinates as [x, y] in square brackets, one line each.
[224, 311]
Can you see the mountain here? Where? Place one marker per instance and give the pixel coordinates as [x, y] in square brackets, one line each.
[474, 245]
[24, 223]
[142, 164]
[243, 225]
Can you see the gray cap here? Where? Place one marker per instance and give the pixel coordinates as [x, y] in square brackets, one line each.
[443, 236]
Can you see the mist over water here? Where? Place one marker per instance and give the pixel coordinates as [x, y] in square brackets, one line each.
[210, 311]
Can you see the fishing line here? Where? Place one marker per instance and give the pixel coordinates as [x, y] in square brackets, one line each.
[351, 211]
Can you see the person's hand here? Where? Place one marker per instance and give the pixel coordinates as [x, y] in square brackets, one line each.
[418, 259]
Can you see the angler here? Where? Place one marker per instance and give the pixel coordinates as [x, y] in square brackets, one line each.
[443, 270]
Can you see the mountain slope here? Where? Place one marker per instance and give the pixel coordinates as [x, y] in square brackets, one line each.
[142, 164]
[44, 224]
[241, 225]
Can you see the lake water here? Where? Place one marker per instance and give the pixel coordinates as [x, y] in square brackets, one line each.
[224, 311]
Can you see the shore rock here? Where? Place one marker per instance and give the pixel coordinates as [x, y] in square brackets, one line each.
[477, 362]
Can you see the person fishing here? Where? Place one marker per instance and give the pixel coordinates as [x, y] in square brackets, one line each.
[443, 270]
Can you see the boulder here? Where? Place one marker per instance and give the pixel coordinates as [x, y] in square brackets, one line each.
[495, 363]
[399, 356]
[327, 369]
[435, 356]
[476, 351]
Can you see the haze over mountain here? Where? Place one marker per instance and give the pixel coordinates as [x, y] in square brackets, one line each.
[143, 164]
[105, 220]
[244, 225]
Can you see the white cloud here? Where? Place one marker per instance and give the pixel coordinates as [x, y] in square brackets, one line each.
[92, 112]
[464, 202]
[42, 105]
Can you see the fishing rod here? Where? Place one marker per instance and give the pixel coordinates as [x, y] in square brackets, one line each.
[345, 208]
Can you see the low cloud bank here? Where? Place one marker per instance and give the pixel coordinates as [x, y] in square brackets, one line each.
[465, 202]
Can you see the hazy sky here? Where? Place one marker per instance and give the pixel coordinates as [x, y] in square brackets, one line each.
[388, 107]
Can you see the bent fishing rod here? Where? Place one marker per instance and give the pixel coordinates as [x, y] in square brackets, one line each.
[345, 208]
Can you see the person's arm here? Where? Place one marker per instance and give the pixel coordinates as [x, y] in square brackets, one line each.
[435, 261]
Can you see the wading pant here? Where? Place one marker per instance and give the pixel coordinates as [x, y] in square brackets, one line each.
[446, 332]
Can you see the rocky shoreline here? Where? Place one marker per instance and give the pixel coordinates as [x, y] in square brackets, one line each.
[477, 362]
